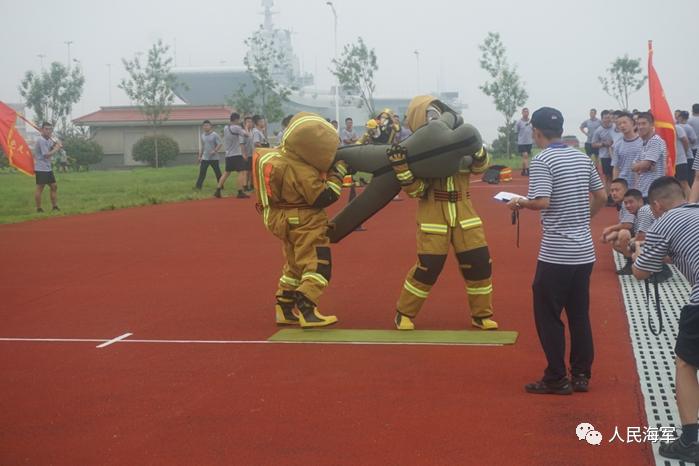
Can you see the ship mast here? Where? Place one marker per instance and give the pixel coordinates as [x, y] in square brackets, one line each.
[267, 5]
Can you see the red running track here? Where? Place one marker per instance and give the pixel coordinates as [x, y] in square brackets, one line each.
[208, 270]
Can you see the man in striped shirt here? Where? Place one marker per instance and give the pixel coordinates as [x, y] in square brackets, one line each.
[643, 221]
[621, 238]
[650, 164]
[694, 195]
[588, 128]
[627, 149]
[674, 235]
[612, 233]
[560, 184]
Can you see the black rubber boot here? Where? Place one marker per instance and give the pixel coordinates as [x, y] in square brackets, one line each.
[284, 309]
[309, 315]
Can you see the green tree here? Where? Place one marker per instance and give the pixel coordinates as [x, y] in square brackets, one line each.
[83, 150]
[500, 145]
[355, 72]
[52, 93]
[144, 150]
[504, 86]
[269, 69]
[243, 101]
[624, 77]
[150, 85]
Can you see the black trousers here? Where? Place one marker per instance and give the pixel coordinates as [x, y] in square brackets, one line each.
[203, 168]
[557, 287]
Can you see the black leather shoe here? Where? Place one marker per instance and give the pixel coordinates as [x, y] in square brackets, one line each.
[562, 387]
[679, 451]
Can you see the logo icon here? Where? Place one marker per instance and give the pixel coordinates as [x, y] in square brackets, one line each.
[586, 431]
[582, 430]
[593, 437]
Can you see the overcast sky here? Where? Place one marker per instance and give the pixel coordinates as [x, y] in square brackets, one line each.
[560, 47]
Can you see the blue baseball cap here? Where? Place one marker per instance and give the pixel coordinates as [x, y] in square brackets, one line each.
[547, 118]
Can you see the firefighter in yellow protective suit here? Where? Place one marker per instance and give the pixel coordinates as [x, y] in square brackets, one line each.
[372, 132]
[445, 216]
[388, 128]
[294, 183]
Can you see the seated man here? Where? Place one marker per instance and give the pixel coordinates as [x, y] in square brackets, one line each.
[633, 202]
[644, 220]
[643, 223]
[610, 234]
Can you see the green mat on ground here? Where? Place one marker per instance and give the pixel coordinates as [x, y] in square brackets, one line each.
[451, 337]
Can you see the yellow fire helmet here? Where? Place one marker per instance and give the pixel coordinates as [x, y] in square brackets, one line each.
[311, 139]
[372, 124]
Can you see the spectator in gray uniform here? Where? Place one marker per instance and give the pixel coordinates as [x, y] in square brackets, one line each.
[62, 161]
[208, 157]
[588, 128]
[348, 134]
[693, 121]
[258, 138]
[681, 150]
[602, 141]
[693, 144]
[249, 148]
[44, 150]
[524, 140]
[258, 132]
[285, 125]
[674, 235]
[404, 132]
[236, 157]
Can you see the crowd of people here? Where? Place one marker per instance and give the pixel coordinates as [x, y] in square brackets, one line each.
[631, 157]
[240, 139]
[620, 139]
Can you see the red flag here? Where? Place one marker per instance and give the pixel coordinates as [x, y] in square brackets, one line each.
[14, 146]
[664, 119]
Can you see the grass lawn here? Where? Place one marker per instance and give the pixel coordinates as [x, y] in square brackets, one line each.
[94, 191]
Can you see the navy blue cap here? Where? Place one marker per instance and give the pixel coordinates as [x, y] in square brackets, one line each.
[547, 118]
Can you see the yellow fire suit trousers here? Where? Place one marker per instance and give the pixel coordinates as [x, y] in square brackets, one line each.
[474, 262]
[308, 264]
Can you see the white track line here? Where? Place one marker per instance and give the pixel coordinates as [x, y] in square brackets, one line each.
[115, 340]
[122, 339]
[57, 340]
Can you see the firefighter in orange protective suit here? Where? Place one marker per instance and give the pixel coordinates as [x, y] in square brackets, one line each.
[445, 216]
[294, 183]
